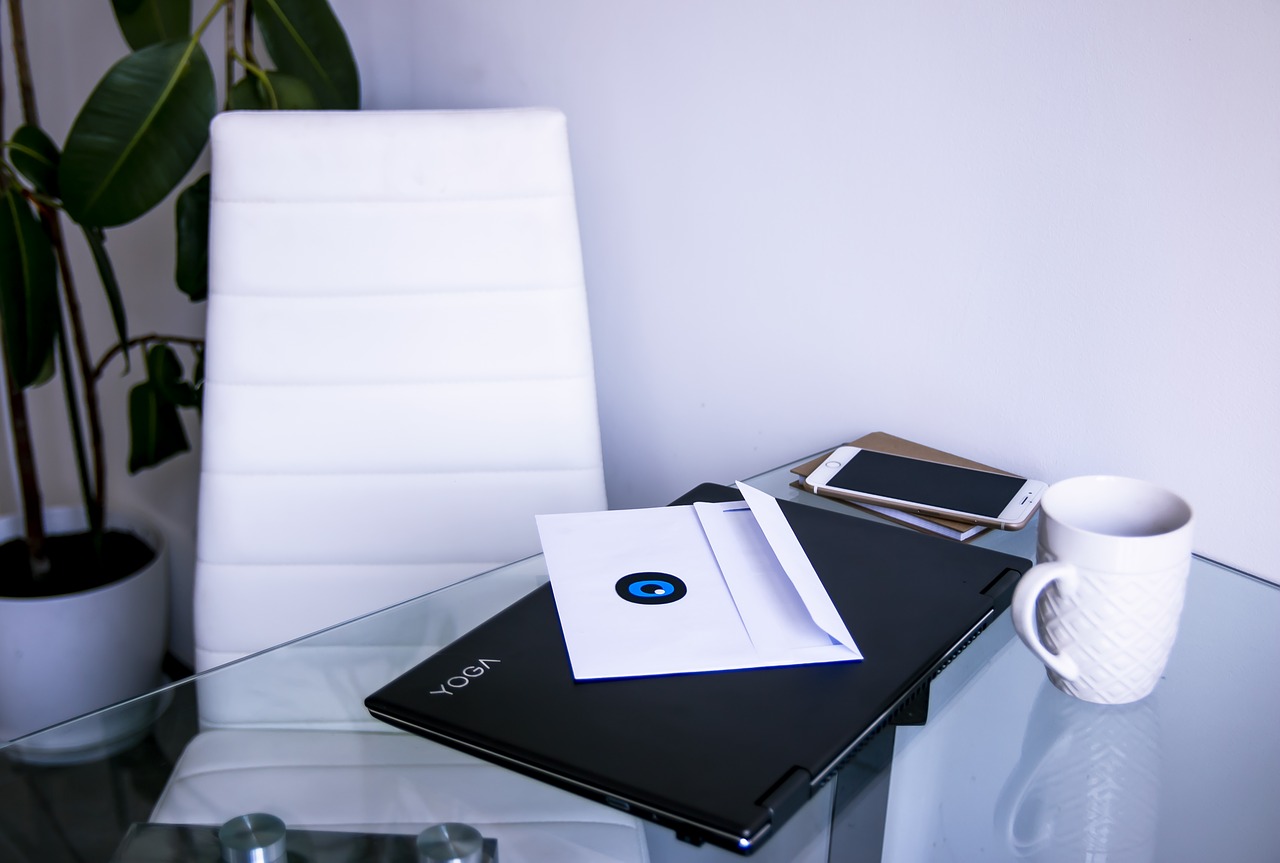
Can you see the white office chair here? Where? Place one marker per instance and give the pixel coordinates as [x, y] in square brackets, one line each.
[399, 370]
[399, 377]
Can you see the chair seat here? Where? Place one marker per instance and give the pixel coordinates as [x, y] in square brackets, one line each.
[389, 782]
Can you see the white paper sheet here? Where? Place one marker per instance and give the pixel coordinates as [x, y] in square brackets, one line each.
[750, 596]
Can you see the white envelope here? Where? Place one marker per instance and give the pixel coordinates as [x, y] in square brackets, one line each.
[676, 589]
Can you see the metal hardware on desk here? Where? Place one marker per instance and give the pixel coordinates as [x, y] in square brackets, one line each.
[194, 843]
[452, 843]
[254, 838]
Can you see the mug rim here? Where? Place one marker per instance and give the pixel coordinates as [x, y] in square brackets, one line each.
[1186, 514]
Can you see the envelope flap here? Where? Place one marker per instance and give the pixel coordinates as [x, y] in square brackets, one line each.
[771, 610]
[795, 564]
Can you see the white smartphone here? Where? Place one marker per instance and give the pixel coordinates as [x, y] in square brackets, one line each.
[916, 485]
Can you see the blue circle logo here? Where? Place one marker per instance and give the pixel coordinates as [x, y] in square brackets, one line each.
[650, 588]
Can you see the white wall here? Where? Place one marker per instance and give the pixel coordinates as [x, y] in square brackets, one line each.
[1045, 235]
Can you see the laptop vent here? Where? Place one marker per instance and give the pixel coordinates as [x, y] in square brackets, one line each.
[903, 704]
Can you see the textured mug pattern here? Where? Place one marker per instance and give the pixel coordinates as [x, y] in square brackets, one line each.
[1119, 629]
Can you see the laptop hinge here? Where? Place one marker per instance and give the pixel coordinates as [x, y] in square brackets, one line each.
[788, 795]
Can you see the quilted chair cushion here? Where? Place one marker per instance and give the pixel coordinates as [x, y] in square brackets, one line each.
[399, 371]
[399, 377]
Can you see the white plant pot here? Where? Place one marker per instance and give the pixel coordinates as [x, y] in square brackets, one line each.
[65, 656]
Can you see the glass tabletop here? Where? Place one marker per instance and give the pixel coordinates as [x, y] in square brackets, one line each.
[1005, 768]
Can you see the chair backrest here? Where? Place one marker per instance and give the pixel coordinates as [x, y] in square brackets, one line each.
[399, 371]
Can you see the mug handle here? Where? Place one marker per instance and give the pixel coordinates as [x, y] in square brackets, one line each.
[1025, 597]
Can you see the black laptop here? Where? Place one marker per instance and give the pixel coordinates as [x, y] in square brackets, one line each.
[724, 757]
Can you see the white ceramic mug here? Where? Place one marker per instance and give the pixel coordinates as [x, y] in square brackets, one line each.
[1101, 607]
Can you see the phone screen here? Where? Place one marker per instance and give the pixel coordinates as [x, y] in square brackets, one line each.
[940, 485]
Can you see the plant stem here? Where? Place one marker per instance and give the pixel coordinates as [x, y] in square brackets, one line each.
[25, 86]
[32, 509]
[229, 47]
[93, 492]
[101, 367]
[208, 19]
[249, 60]
[19, 426]
[261, 75]
[246, 37]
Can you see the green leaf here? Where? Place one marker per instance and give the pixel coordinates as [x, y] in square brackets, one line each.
[35, 155]
[164, 370]
[140, 131]
[145, 22]
[197, 378]
[291, 94]
[107, 274]
[28, 291]
[305, 39]
[192, 217]
[155, 429]
[46, 371]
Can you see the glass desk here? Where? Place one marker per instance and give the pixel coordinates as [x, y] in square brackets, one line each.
[1005, 768]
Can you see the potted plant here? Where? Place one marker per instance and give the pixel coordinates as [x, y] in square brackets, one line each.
[135, 139]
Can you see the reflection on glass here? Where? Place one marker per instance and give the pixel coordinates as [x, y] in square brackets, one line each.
[1086, 786]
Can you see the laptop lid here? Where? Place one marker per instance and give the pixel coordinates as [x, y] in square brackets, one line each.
[724, 757]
